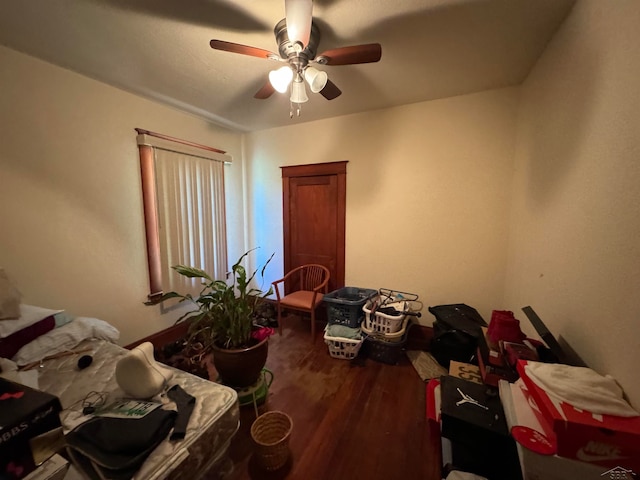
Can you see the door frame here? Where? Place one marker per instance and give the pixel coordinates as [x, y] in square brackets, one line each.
[339, 169]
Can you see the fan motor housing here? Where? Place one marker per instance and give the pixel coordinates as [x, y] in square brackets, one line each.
[288, 50]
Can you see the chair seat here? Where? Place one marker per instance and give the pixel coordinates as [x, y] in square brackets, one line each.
[301, 299]
[302, 281]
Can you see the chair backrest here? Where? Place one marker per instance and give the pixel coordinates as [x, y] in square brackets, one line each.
[311, 276]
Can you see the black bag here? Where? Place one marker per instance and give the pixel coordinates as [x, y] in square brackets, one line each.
[115, 448]
[455, 333]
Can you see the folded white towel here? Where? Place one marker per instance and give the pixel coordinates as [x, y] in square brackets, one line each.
[581, 387]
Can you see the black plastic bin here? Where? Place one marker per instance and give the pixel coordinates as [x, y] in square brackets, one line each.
[344, 306]
[384, 352]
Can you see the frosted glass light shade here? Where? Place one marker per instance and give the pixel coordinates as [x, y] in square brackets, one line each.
[298, 93]
[298, 14]
[316, 79]
[281, 78]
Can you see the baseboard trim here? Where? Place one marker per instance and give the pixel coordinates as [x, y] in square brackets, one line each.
[163, 337]
[419, 336]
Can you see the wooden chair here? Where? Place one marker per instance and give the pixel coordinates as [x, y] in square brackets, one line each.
[307, 285]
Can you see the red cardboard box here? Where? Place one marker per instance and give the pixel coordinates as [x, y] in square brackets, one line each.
[536, 464]
[606, 440]
[433, 402]
[491, 375]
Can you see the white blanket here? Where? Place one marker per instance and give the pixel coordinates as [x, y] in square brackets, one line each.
[581, 387]
[65, 338]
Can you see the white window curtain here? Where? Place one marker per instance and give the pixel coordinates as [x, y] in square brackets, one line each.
[191, 217]
[185, 219]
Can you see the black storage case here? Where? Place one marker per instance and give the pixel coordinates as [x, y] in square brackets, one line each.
[384, 352]
[25, 413]
[480, 439]
[456, 331]
[458, 316]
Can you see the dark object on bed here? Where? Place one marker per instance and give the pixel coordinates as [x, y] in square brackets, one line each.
[455, 333]
[185, 404]
[84, 361]
[115, 448]
[29, 428]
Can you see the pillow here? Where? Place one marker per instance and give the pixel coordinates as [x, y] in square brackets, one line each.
[10, 345]
[28, 316]
[65, 338]
[9, 298]
[63, 318]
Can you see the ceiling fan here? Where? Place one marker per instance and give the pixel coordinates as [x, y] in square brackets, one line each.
[298, 38]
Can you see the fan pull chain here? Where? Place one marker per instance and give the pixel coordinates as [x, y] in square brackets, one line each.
[297, 108]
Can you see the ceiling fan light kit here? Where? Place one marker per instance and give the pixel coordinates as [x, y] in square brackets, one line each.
[298, 92]
[281, 78]
[298, 38]
[298, 14]
[316, 79]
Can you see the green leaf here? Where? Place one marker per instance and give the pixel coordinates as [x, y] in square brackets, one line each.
[225, 310]
[164, 297]
[191, 272]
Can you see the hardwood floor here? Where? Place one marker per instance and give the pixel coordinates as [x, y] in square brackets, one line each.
[351, 419]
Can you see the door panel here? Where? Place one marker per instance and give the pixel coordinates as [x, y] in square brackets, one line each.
[314, 218]
[313, 221]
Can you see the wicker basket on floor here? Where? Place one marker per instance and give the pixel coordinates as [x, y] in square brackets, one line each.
[270, 433]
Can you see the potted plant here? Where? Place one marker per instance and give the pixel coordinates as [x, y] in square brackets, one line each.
[223, 322]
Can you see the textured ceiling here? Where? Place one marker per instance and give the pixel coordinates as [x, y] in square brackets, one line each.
[160, 49]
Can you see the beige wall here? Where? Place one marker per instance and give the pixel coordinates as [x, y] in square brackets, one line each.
[575, 251]
[428, 189]
[70, 202]
[433, 203]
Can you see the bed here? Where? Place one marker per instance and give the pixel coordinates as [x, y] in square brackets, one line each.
[213, 422]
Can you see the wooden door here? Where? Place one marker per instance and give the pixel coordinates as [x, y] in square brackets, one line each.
[314, 204]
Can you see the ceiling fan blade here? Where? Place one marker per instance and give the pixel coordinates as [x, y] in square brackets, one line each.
[330, 91]
[241, 49]
[265, 92]
[196, 12]
[367, 53]
[298, 15]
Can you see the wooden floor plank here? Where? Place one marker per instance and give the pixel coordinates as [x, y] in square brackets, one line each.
[352, 420]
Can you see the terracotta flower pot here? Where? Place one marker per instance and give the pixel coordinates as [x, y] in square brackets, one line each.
[241, 367]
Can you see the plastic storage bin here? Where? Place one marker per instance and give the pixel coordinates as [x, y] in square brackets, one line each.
[344, 306]
[343, 348]
[395, 337]
[386, 321]
[385, 352]
[386, 347]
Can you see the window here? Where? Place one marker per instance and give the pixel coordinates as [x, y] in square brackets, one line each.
[184, 208]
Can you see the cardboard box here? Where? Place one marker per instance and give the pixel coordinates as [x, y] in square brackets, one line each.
[481, 459]
[433, 402]
[466, 371]
[491, 351]
[471, 412]
[512, 352]
[520, 410]
[491, 374]
[30, 429]
[433, 419]
[473, 419]
[605, 440]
